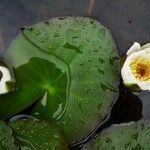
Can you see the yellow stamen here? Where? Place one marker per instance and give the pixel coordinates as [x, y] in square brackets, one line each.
[141, 69]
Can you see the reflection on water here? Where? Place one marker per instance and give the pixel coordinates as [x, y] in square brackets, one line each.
[127, 108]
[145, 98]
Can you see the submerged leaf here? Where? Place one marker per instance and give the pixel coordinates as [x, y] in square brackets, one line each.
[36, 75]
[37, 78]
[38, 135]
[131, 136]
[7, 140]
[79, 44]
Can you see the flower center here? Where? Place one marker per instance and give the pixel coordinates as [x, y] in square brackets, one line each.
[141, 69]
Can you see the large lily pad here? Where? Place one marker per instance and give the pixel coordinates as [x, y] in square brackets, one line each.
[132, 136]
[90, 59]
[7, 140]
[35, 134]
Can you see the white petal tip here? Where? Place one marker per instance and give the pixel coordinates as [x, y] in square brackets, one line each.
[6, 81]
[134, 48]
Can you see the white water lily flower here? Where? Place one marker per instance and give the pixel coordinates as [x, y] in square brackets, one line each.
[136, 69]
[5, 79]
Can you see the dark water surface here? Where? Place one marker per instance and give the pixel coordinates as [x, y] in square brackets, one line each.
[127, 19]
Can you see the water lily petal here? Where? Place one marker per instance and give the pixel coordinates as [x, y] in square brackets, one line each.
[134, 48]
[145, 46]
[126, 73]
[136, 70]
[144, 85]
[6, 77]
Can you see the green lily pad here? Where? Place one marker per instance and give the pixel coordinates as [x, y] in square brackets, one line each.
[90, 59]
[36, 77]
[7, 140]
[35, 134]
[131, 136]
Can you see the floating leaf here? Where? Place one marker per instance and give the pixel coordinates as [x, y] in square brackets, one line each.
[80, 44]
[35, 77]
[37, 135]
[131, 136]
[7, 140]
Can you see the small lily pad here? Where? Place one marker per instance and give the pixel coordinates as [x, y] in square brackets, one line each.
[131, 136]
[35, 79]
[7, 140]
[38, 135]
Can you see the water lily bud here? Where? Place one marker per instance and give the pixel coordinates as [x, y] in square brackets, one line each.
[136, 69]
[6, 82]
